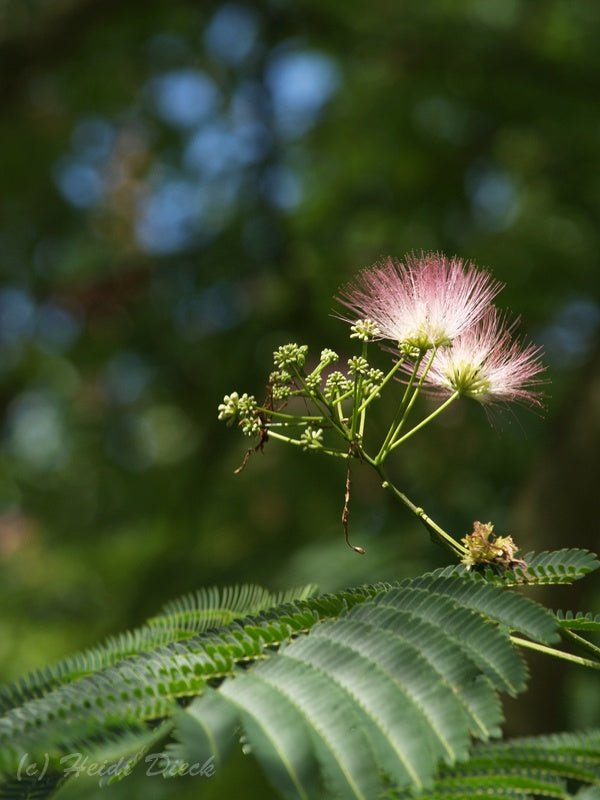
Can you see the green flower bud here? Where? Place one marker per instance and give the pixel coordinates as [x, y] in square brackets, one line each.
[328, 357]
[290, 355]
[410, 350]
[313, 381]
[251, 426]
[280, 376]
[365, 330]
[247, 405]
[336, 384]
[357, 365]
[280, 392]
[312, 439]
[228, 409]
[373, 380]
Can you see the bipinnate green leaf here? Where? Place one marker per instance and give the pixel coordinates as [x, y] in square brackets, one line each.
[342, 695]
[513, 610]
[179, 619]
[560, 765]
[551, 567]
[579, 621]
[413, 674]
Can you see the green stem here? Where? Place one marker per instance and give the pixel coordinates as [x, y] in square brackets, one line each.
[411, 403]
[287, 439]
[299, 443]
[551, 651]
[330, 452]
[337, 404]
[361, 426]
[383, 383]
[399, 412]
[425, 421]
[322, 404]
[358, 379]
[299, 424]
[575, 637]
[318, 370]
[282, 415]
[340, 398]
[457, 548]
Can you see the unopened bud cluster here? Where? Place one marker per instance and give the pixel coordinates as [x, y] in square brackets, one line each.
[233, 406]
[365, 330]
[290, 355]
[333, 395]
[240, 409]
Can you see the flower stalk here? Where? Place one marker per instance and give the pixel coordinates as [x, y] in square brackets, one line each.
[397, 442]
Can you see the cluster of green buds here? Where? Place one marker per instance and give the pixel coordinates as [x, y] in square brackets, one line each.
[337, 400]
[243, 410]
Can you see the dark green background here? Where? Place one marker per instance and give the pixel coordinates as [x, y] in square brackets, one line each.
[143, 277]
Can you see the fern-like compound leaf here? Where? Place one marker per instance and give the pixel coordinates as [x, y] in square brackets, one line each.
[413, 672]
[560, 765]
[336, 695]
[507, 608]
[180, 619]
[214, 607]
[546, 568]
[579, 621]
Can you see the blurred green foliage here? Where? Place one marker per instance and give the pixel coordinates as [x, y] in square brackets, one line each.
[183, 188]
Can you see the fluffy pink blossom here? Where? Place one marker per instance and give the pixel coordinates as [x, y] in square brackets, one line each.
[425, 301]
[488, 364]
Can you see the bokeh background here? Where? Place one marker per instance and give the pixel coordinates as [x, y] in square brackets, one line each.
[183, 187]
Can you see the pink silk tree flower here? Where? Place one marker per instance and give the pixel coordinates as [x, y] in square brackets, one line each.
[423, 302]
[488, 364]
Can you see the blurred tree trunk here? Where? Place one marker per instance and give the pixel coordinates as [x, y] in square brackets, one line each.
[558, 507]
